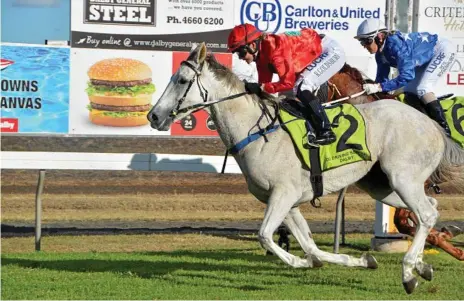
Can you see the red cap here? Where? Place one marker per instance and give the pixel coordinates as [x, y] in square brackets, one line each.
[241, 35]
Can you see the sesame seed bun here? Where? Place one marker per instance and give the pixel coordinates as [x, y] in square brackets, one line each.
[119, 69]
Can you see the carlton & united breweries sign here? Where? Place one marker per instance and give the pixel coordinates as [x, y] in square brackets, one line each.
[127, 12]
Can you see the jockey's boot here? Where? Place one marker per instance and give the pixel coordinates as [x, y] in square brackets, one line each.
[318, 118]
[435, 112]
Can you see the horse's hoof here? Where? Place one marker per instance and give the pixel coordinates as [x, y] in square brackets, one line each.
[427, 272]
[314, 261]
[371, 261]
[410, 285]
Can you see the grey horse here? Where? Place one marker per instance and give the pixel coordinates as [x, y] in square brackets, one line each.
[406, 148]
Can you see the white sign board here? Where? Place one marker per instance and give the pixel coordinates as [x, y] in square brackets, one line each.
[446, 18]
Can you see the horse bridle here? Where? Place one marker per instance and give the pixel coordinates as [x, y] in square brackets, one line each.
[203, 92]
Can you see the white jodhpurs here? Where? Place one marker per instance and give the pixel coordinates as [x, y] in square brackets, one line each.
[429, 74]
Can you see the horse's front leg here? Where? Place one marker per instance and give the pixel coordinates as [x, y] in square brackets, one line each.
[297, 224]
[279, 204]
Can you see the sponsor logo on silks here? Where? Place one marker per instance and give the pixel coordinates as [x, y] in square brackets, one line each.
[271, 16]
[454, 114]
[326, 65]
[350, 146]
[5, 63]
[435, 63]
[9, 125]
[293, 33]
[317, 61]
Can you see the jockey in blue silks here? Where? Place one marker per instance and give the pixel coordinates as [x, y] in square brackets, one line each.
[421, 58]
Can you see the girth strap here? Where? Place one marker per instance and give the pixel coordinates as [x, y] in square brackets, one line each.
[316, 175]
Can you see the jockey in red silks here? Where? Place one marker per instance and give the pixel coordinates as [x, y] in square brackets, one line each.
[303, 60]
[421, 58]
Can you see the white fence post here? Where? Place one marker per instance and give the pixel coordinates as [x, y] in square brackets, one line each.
[38, 210]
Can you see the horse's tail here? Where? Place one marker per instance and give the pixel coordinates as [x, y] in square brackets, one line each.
[451, 167]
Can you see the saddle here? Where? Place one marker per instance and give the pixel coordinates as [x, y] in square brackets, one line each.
[348, 126]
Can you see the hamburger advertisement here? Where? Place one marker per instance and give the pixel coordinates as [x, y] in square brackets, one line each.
[120, 91]
[113, 91]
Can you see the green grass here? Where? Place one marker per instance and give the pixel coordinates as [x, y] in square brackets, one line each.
[237, 270]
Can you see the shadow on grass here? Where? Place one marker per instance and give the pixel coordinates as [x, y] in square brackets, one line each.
[217, 266]
[158, 263]
[294, 245]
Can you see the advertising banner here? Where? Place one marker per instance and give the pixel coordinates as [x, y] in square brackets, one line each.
[169, 25]
[160, 33]
[338, 19]
[123, 56]
[113, 90]
[198, 123]
[35, 89]
[446, 18]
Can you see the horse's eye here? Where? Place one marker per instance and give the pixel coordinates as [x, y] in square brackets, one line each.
[182, 81]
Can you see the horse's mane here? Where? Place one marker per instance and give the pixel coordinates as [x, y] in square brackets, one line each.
[357, 75]
[231, 80]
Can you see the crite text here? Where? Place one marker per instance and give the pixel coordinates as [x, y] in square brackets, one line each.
[116, 13]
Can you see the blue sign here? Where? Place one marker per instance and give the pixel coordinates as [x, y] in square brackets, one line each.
[273, 16]
[35, 89]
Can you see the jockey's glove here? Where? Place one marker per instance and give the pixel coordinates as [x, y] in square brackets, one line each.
[372, 88]
[253, 88]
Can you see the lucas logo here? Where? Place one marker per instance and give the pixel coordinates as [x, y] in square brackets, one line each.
[435, 63]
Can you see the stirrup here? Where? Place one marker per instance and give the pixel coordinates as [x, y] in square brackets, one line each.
[326, 140]
[311, 140]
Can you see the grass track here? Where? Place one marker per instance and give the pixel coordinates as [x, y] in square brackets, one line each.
[204, 267]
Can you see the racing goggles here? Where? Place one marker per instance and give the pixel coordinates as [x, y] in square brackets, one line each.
[242, 51]
[366, 41]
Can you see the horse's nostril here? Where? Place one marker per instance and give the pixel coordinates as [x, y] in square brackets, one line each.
[152, 117]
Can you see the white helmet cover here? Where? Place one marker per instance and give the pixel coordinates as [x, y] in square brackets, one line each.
[369, 28]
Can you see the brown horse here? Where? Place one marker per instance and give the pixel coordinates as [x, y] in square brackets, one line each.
[348, 81]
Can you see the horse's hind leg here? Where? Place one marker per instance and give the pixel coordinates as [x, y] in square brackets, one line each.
[297, 224]
[278, 206]
[414, 197]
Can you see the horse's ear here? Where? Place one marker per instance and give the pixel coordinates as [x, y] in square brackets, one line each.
[202, 54]
[194, 53]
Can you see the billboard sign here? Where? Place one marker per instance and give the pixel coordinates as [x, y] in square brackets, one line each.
[35, 89]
